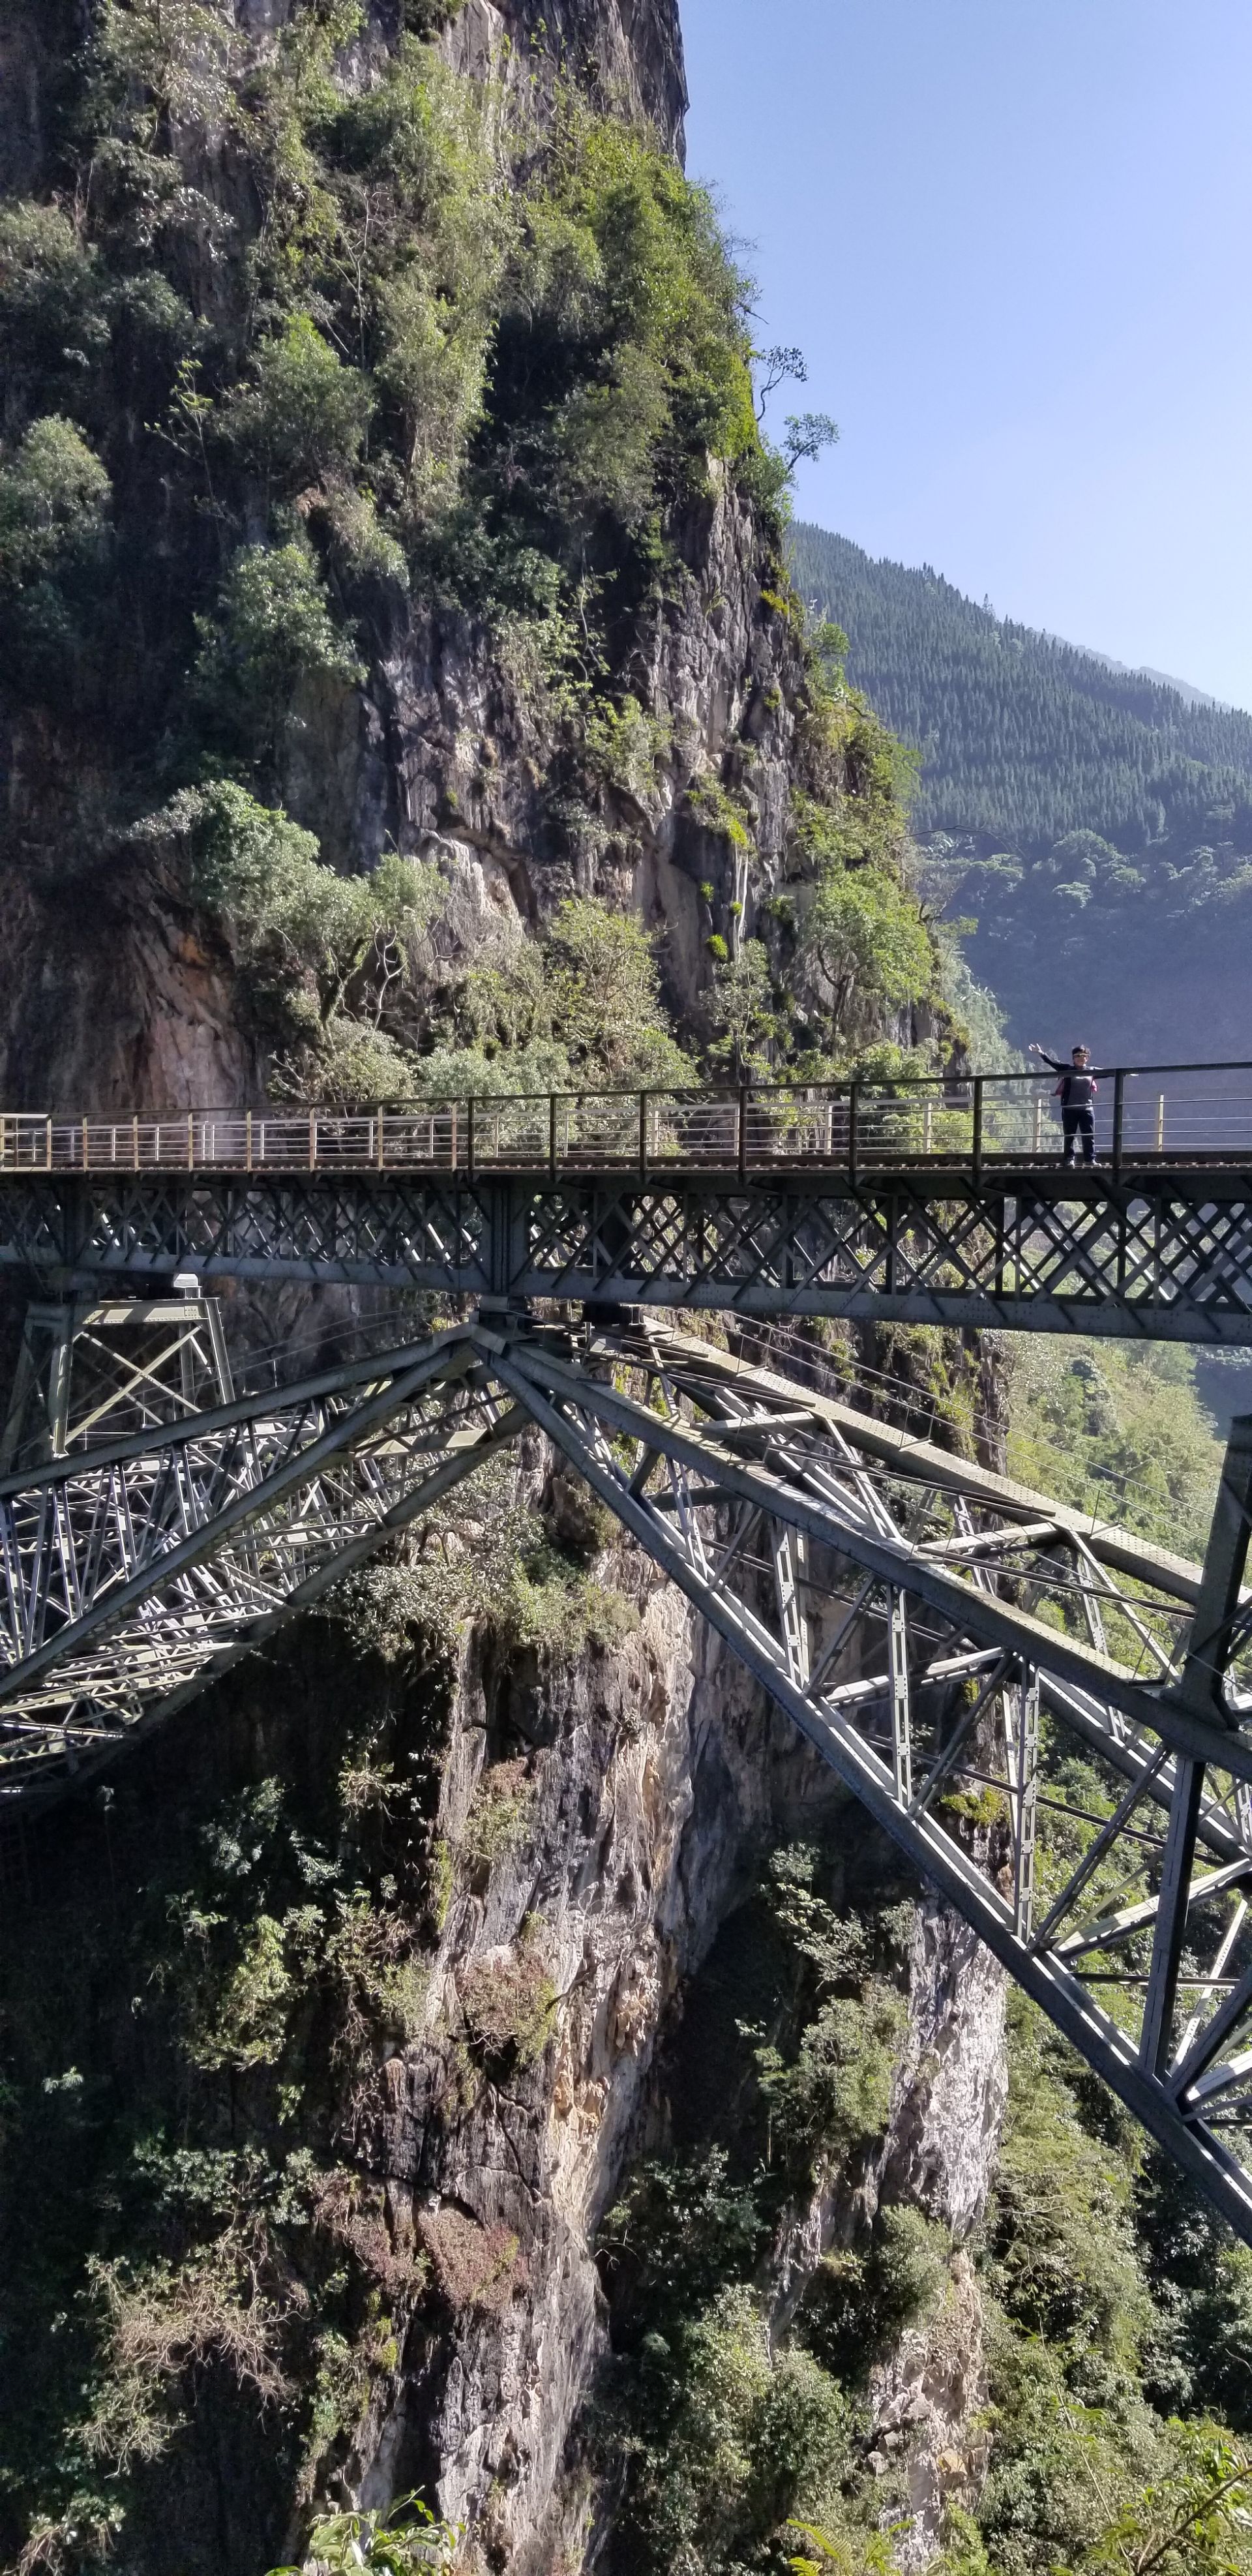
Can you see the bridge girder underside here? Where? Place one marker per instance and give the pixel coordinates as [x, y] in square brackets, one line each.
[1163, 1254]
[1044, 1713]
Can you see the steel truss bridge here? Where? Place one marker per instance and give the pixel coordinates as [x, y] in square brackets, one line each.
[1046, 1715]
[1050, 1719]
[940, 1200]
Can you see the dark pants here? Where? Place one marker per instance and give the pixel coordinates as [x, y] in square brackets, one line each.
[1076, 1123]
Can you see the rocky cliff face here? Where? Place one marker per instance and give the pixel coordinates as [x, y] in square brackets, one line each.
[637, 1781]
[662, 1780]
[630, 50]
[119, 993]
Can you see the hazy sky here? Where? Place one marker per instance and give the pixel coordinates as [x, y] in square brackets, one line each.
[1014, 238]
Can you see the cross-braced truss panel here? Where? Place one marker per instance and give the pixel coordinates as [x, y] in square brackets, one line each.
[1183, 1264]
[1165, 1254]
[132, 1574]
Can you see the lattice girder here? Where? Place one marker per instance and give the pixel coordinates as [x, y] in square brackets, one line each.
[1163, 1253]
[130, 1574]
[914, 1735]
[1047, 1715]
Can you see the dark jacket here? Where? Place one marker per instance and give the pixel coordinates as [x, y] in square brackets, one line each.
[1074, 1090]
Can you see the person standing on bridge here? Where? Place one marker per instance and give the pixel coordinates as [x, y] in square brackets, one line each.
[1076, 1092]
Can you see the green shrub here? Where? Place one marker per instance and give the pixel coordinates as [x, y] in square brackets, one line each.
[623, 262]
[1194, 2520]
[509, 2002]
[245, 2023]
[605, 996]
[717, 812]
[861, 2300]
[827, 2096]
[54, 325]
[624, 747]
[678, 2232]
[499, 1817]
[273, 632]
[322, 950]
[54, 500]
[426, 227]
[400, 2542]
[553, 1605]
[430, 17]
[869, 939]
[582, 1008]
[834, 2095]
[306, 415]
[54, 515]
[1118, 1430]
[733, 2443]
[381, 1981]
[742, 1011]
[1059, 2236]
[173, 59]
[854, 2552]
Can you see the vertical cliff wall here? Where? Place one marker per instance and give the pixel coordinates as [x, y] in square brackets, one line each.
[630, 51]
[344, 523]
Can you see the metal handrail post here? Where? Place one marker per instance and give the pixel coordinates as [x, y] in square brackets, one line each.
[552, 1133]
[854, 1102]
[977, 1137]
[471, 1139]
[643, 1135]
[743, 1131]
[1119, 1116]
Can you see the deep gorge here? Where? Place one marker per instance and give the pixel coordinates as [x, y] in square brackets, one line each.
[475, 2051]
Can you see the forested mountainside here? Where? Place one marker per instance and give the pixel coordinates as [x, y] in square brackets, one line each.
[475, 2052]
[1095, 823]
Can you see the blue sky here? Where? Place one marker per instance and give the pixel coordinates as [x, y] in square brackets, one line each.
[1014, 238]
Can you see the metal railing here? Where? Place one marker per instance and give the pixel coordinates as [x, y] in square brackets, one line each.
[1143, 1114]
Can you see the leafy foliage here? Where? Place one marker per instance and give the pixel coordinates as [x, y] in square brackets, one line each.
[867, 937]
[361, 321]
[271, 635]
[578, 1008]
[1196, 2520]
[1117, 1429]
[221, 2266]
[322, 952]
[398, 2543]
[54, 507]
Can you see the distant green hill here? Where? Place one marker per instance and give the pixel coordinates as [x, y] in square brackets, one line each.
[1096, 822]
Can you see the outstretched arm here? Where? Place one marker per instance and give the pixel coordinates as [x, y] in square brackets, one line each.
[1057, 1062]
